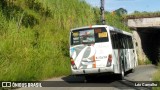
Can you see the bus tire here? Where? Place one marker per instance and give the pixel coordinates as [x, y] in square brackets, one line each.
[122, 74]
[132, 70]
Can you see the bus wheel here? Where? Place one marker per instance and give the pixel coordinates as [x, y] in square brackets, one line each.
[122, 73]
[132, 70]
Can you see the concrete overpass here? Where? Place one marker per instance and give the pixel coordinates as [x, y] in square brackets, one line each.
[146, 32]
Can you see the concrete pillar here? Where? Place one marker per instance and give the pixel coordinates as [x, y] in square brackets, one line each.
[137, 40]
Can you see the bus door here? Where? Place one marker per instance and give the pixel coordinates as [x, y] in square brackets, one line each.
[125, 52]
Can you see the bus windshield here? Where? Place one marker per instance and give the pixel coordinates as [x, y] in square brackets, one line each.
[89, 36]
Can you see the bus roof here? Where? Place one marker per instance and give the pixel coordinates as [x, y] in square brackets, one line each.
[91, 26]
[110, 28]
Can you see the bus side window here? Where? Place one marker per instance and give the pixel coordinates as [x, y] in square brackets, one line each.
[123, 42]
[130, 42]
[120, 41]
[126, 42]
[117, 41]
[114, 40]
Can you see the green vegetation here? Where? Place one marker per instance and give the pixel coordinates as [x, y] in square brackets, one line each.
[156, 77]
[34, 36]
[144, 14]
[144, 62]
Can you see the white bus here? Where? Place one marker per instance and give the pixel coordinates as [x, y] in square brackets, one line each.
[101, 49]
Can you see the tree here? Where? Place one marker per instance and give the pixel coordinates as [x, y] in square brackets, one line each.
[121, 11]
[135, 12]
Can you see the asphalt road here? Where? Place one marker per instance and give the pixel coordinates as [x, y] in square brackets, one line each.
[104, 82]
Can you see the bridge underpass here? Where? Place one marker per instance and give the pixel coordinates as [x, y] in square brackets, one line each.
[147, 36]
[150, 41]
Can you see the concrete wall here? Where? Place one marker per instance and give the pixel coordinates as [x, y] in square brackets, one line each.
[137, 40]
[144, 22]
[145, 30]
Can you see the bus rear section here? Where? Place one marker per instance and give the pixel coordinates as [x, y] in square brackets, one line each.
[90, 51]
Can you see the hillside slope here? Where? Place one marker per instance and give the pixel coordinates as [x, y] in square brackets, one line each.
[34, 36]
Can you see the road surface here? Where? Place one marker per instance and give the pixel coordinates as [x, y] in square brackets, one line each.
[105, 82]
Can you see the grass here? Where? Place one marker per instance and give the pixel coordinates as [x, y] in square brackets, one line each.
[156, 77]
[35, 46]
[144, 62]
[144, 14]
